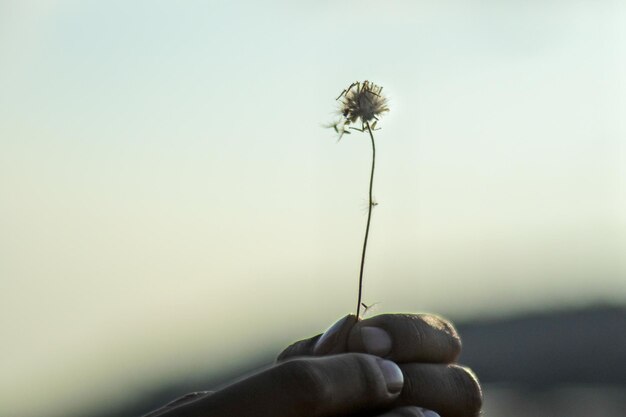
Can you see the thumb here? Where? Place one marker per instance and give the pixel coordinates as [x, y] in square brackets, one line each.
[332, 341]
[307, 387]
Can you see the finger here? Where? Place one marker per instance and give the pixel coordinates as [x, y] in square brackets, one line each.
[305, 387]
[406, 338]
[332, 341]
[402, 338]
[450, 390]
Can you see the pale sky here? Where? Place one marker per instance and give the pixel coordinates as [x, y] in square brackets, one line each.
[170, 204]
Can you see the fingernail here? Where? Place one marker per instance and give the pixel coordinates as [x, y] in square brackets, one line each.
[376, 341]
[429, 413]
[329, 340]
[393, 376]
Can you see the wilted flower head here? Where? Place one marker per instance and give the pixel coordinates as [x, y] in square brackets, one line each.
[361, 101]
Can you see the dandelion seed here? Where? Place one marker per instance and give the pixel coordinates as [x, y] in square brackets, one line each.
[369, 308]
[366, 203]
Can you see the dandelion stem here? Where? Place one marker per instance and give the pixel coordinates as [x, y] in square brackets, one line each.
[369, 218]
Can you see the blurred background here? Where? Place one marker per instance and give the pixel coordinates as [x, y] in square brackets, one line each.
[173, 213]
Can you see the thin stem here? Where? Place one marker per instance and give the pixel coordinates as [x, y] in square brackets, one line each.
[369, 218]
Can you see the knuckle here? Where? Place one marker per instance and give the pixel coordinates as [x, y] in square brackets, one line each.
[467, 385]
[444, 333]
[441, 324]
[308, 382]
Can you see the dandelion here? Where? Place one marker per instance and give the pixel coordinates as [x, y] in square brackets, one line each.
[362, 103]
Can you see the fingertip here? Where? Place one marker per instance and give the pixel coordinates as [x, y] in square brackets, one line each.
[452, 390]
[335, 339]
[429, 413]
[394, 379]
[472, 388]
[445, 327]
[332, 341]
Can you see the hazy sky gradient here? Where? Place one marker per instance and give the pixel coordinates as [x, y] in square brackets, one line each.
[169, 202]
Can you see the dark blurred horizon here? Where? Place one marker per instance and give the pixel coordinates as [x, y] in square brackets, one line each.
[533, 364]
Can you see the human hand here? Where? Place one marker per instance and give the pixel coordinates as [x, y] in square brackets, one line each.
[423, 345]
[342, 372]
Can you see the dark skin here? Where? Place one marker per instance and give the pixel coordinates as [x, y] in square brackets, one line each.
[389, 365]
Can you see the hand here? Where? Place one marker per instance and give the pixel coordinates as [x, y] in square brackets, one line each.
[423, 345]
[342, 372]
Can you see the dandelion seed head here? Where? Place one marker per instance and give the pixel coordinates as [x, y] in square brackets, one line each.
[362, 101]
